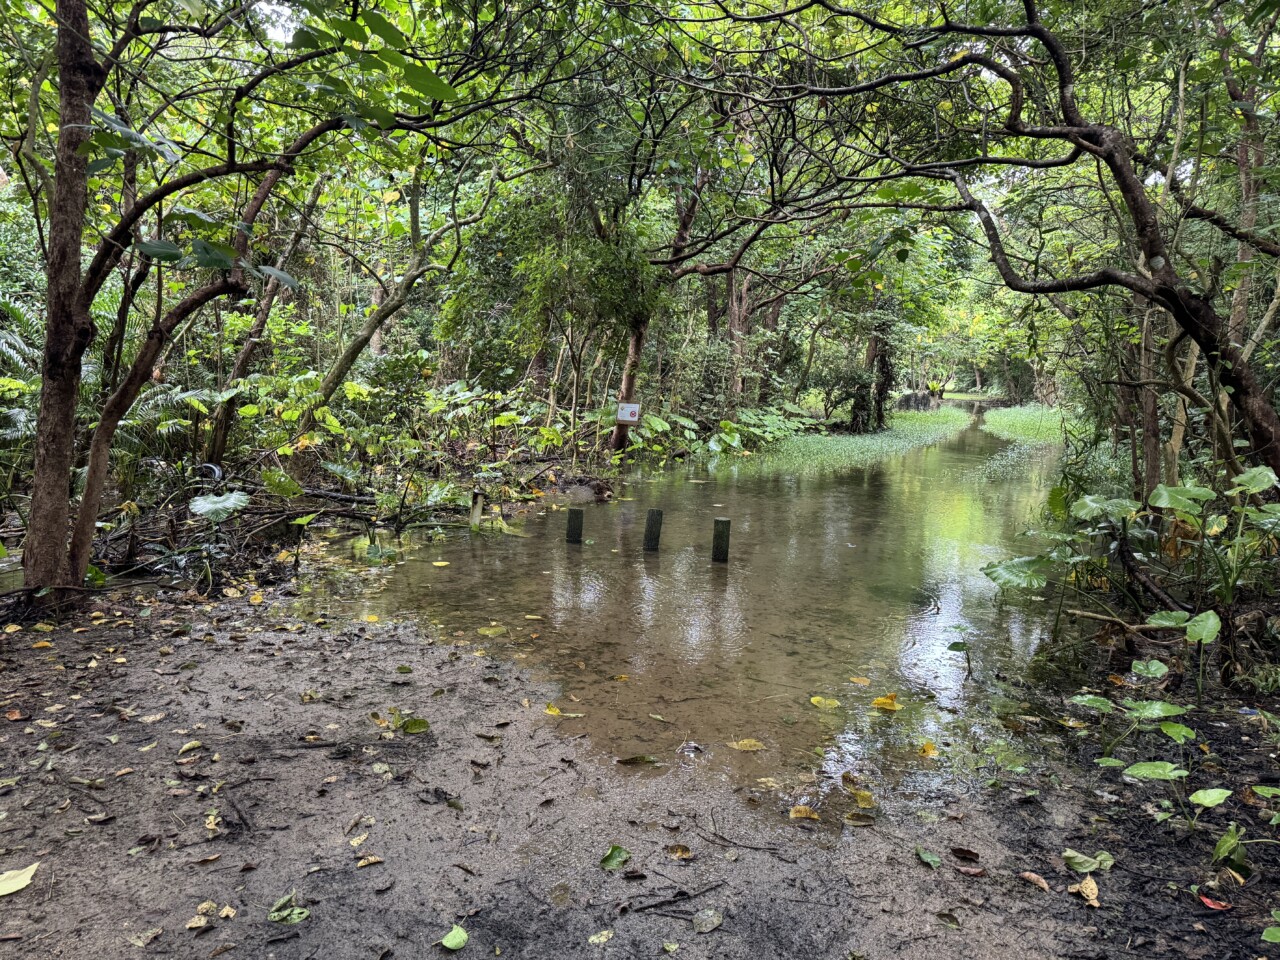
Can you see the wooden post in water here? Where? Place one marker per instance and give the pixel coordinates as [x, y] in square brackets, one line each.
[720, 541]
[652, 531]
[477, 508]
[573, 533]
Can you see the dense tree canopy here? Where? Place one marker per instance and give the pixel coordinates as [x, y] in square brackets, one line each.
[393, 246]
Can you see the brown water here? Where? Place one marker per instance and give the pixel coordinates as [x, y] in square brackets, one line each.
[833, 575]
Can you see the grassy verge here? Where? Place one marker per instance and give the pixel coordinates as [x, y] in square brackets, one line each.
[817, 453]
[1033, 424]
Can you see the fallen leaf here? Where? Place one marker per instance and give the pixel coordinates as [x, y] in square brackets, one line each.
[41, 645]
[228, 912]
[598, 939]
[189, 746]
[207, 908]
[860, 681]
[704, 921]
[615, 857]
[824, 703]
[802, 812]
[660, 719]
[14, 880]
[371, 618]
[455, 939]
[929, 858]
[748, 745]
[356, 841]
[888, 702]
[146, 936]
[256, 599]
[1088, 890]
[928, 750]
[368, 861]
[964, 853]
[864, 799]
[855, 819]
[1035, 880]
[1214, 904]
[971, 871]
[439, 563]
[195, 923]
[16, 715]
[678, 851]
[286, 909]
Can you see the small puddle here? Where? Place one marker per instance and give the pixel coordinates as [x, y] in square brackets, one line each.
[833, 575]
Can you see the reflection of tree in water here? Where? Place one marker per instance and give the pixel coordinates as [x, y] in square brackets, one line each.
[831, 576]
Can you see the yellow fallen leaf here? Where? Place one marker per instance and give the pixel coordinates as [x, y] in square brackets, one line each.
[860, 681]
[41, 645]
[863, 799]
[824, 703]
[439, 563]
[552, 710]
[195, 923]
[678, 851]
[1088, 890]
[1035, 880]
[256, 599]
[12, 627]
[888, 702]
[801, 812]
[228, 912]
[748, 745]
[368, 861]
[206, 909]
[43, 627]
[356, 841]
[928, 750]
[231, 592]
[371, 618]
[189, 746]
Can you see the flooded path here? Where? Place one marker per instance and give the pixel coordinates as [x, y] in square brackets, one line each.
[843, 586]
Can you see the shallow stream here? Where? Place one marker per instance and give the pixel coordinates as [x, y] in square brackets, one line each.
[846, 585]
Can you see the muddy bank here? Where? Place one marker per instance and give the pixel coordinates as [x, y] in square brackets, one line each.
[163, 756]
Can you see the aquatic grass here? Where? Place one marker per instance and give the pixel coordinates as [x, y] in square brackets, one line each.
[1033, 424]
[818, 453]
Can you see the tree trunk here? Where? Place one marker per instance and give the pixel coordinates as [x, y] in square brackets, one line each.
[627, 391]
[114, 410]
[68, 326]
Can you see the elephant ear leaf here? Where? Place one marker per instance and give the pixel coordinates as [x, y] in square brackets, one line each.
[219, 507]
[1020, 573]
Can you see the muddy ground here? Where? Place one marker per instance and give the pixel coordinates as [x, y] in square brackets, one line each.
[178, 767]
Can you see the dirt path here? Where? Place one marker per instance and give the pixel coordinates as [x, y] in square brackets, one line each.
[494, 819]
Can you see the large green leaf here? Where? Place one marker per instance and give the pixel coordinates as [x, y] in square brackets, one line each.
[1180, 498]
[1153, 709]
[1024, 573]
[216, 508]
[1155, 770]
[424, 80]
[1093, 507]
[280, 483]
[1255, 480]
[1204, 628]
[164, 250]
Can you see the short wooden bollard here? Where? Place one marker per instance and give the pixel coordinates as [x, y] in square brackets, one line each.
[652, 531]
[720, 541]
[573, 533]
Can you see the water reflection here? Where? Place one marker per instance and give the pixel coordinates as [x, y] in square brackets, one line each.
[868, 574]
